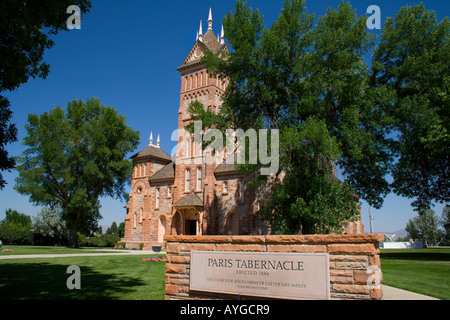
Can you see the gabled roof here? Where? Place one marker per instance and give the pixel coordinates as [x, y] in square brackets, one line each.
[190, 200]
[152, 152]
[165, 173]
[209, 42]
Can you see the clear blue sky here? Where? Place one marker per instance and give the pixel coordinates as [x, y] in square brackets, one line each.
[126, 54]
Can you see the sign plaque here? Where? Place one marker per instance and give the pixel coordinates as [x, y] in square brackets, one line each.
[261, 274]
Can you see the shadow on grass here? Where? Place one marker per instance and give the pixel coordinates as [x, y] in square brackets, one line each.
[418, 254]
[36, 281]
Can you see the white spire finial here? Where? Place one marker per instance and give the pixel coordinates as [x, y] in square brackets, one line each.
[157, 141]
[197, 36]
[222, 36]
[200, 32]
[151, 139]
[210, 20]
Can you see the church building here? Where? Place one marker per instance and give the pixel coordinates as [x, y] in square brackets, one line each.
[186, 195]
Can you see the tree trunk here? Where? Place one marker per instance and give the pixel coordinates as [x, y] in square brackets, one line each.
[73, 239]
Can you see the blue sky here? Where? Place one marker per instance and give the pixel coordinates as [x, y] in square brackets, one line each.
[126, 54]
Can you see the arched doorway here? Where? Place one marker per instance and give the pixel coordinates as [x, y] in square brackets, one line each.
[161, 228]
[191, 226]
[233, 223]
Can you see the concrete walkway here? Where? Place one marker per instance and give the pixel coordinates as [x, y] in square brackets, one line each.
[112, 253]
[391, 293]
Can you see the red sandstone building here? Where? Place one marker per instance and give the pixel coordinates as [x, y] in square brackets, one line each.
[185, 196]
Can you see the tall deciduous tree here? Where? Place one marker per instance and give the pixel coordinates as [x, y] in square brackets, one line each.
[424, 227]
[26, 28]
[334, 113]
[75, 157]
[412, 64]
[308, 82]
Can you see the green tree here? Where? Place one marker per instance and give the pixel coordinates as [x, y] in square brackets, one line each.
[121, 231]
[445, 222]
[310, 83]
[16, 228]
[75, 157]
[49, 224]
[411, 64]
[113, 229]
[424, 227]
[26, 30]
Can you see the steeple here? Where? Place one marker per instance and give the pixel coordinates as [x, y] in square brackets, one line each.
[210, 20]
[200, 32]
[157, 142]
[151, 139]
[222, 36]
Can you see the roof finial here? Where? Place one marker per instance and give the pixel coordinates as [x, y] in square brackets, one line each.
[157, 141]
[222, 36]
[151, 139]
[210, 19]
[197, 36]
[200, 32]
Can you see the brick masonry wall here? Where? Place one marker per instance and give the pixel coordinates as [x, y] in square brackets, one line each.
[353, 260]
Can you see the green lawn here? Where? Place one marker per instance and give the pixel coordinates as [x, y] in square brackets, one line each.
[425, 271]
[102, 278]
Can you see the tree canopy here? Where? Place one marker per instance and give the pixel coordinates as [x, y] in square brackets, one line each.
[26, 30]
[307, 77]
[73, 158]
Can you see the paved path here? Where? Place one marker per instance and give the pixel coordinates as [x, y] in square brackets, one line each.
[62, 255]
[389, 293]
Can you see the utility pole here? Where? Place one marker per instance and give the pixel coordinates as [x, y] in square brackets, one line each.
[370, 221]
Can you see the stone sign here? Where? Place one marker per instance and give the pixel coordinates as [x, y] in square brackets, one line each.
[261, 274]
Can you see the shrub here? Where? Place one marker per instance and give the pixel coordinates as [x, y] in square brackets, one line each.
[103, 240]
[12, 233]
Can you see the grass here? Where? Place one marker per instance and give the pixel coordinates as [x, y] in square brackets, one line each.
[123, 277]
[425, 271]
[126, 277]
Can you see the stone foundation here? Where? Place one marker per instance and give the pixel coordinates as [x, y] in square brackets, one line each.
[354, 261]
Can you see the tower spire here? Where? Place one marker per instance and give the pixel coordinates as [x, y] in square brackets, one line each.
[210, 19]
[222, 36]
[157, 142]
[200, 32]
[151, 139]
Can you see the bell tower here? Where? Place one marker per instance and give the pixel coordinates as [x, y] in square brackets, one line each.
[192, 176]
[196, 84]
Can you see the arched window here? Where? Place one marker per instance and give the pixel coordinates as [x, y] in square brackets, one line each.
[141, 215]
[187, 185]
[242, 190]
[199, 178]
[135, 220]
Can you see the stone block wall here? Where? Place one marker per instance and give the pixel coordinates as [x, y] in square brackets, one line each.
[354, 261]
